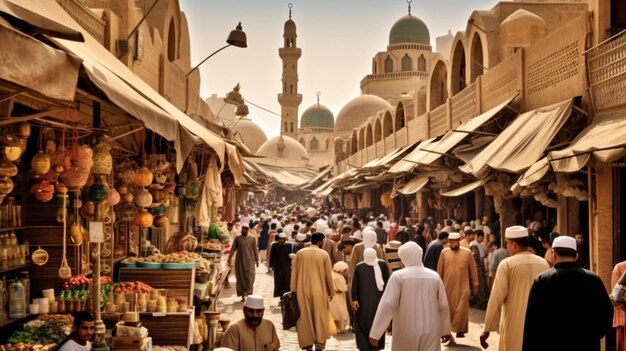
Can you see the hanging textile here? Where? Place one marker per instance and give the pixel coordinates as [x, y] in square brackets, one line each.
[211, 197]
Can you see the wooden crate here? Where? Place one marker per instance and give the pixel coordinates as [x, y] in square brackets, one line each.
[178, 282]
[169, 328]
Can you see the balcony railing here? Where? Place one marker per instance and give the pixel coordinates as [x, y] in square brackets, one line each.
[606, 64]
[85, 17]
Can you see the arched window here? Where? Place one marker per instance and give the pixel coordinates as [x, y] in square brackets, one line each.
[286, 127]
[388, 65]
[302, 142]
[421, 64]
[314, 144]
[171, 42]
[407, 63]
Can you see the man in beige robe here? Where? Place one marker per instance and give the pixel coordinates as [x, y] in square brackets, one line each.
[457, 269]
[252, 332]
[506, 310]
[369, 240]
[312, 280]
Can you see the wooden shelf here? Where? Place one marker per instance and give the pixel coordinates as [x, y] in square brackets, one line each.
[14, 268]
[16, 320]
[9, 229]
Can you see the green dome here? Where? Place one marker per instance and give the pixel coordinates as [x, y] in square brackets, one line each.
[409, 29]
[317, 116]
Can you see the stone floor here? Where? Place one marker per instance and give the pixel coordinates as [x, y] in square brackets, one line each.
[231, 308]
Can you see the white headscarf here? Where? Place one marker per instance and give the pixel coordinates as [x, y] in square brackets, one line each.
[369, 238]
[340, 266]
[371, 259]
[411, 254]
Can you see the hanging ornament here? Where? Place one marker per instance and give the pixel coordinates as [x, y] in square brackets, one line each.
[143, 176]
[102, 159]
[40, 163]
[114, 197]
[43, 191]
[143, 219]
[7, 168]
[12, 153]
[161, 221]
[98, 193]
[143, 198]
[192, 190]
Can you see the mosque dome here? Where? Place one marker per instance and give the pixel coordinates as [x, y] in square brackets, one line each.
[283, 150]
[250, 133]
[317, 116]
[522, 28]
[290, 28]
[358, 110]
[409, 29]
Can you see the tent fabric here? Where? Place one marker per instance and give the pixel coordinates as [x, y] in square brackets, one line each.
[211, 198]
[285, 177]
[324, 189]
[128, 91]
[23, 18]
[523, 142]
[453, 137]
[30, 64]
[466, 188]
[603, 138]
[410, 161]
[535, 173]
[411, 187]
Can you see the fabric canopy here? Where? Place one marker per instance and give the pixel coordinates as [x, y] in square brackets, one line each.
[385, 159]
[284, 177]
[466, 188]
[324, 189]
[27, 20]
[604, 138]
[453, 137]
[523, 142]
[408, 163]
[128, 91]
[32, 65]
[411, 187]
[535, 173]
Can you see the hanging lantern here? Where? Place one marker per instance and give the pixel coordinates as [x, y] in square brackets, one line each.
[143, 176]
[7, 168]
[60, 160]
[12, 153]
[161, 221]
[23, 130]
[84, 158]
[102, 159]
[40, 163]
[143, 198]
[75, 177]
[98, 193]
[385, 199]
[6, 185]
[129, 197]
[43, 191]
[157, 211]
[128, 175]
[158, 195]
[143, 219]
[114, 197]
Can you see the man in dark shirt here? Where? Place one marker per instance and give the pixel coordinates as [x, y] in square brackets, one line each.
[569, 302]
[431, 258]
[583, 251]
[381, 234]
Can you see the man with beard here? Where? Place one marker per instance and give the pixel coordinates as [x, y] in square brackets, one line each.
[253, 332]
[457, 270]
[280, 263]
[246, 261]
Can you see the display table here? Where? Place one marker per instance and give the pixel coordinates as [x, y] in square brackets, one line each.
[178, 282]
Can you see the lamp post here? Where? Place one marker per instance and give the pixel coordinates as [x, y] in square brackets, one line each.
[237, 37]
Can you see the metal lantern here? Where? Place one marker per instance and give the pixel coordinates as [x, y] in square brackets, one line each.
[143, 219]
[161, 221]
[143, 198]
[102, 159]
[40, 163]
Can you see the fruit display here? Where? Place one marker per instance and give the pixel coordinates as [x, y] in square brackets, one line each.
[41, 334]
[132, 287]
[175, 257]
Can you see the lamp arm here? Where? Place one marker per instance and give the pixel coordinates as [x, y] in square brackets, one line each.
[208, 57]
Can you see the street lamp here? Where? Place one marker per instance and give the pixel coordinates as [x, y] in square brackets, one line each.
[237, 37]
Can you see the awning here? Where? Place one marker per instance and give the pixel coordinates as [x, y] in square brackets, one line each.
[24, 19]
[324, 189]
[603, 138]
[128, 91]
[321, 176]
[535, 173]
[411, 187]
[385, 159]
[34, 66]
[284, 177]
[523, 142]
[410, 161]
[455, 136]
[466, 188]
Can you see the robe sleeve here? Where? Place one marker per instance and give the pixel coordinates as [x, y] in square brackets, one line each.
[604, 312]
[387, 307]
[473, 273]
[233, 248]
[294, 273]
[384, 270]
[441, 264]
[444, 309]
[354, 290]
[330, 285]
[352, 264]
[275, 344]
[231, 337]
[499, 293]
[270, 260]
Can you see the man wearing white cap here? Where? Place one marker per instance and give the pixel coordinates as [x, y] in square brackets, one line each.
[580, 310]
[280, 263]
[457, 270]
[246, 261]
[509, 295]
[252, 332]
[416, 301]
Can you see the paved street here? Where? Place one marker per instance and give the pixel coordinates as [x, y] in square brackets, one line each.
[231, 307]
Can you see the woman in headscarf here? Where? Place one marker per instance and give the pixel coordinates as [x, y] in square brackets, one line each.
[338, 306]
[368, 283]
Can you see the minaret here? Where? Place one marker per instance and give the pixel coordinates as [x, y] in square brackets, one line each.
[289, 99]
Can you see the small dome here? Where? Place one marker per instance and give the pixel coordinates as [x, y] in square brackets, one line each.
[317, 116]
[290, 28]
[409, 29]
[283, 150]
[522, 28]
[250, 133]
[358, 110]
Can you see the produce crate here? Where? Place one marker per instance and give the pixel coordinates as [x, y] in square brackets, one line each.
[129, 342]
[178, 282]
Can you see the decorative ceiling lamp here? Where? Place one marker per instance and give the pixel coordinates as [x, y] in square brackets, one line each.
[40, 163]
[143, 219]
[102, 159]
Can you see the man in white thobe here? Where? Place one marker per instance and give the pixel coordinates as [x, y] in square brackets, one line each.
[421, 318]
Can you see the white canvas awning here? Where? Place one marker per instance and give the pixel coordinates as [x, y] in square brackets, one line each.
[466, 188]
[411, 187]
[603, 138]
[535, 173]
[410, 161]
[523, 142]
[455, 136]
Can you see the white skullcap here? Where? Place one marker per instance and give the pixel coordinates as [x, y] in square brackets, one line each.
[454, 236]
[254, 302]
[411, 254]
[467, 228]
[340, 266]
[516, 232]
[564, 241]
[245, 225]
[300, 237]
[457, 226]
[282, 236]
[328, 231]
[223, 349]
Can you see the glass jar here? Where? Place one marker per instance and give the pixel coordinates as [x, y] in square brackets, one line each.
[17, 300]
